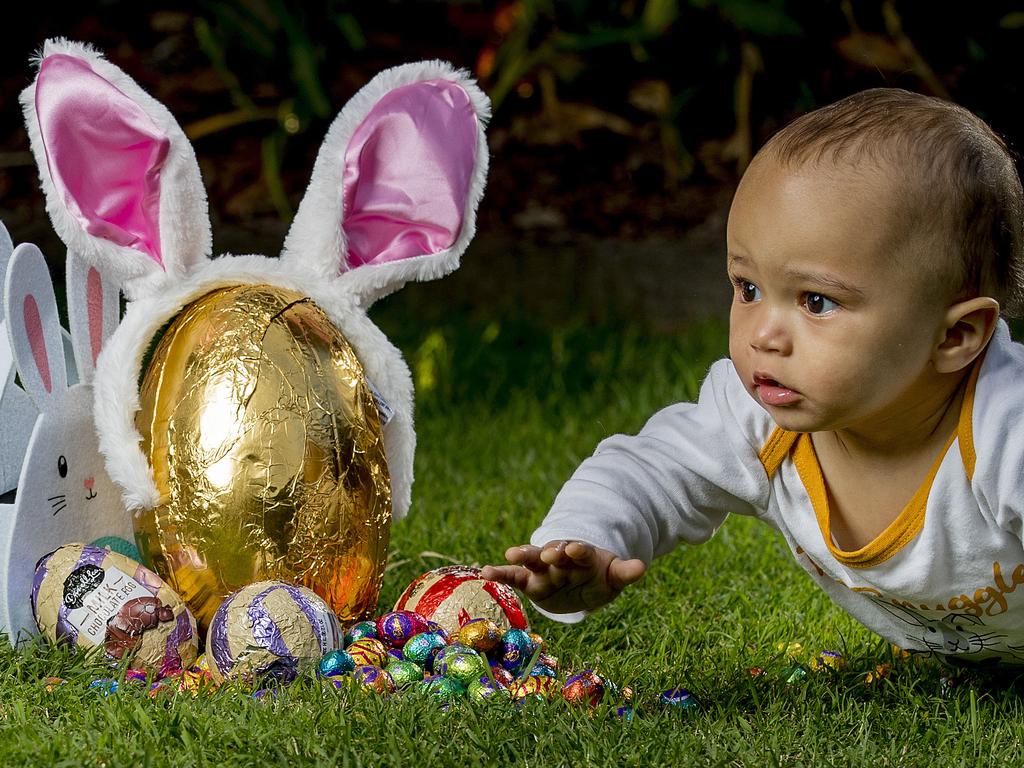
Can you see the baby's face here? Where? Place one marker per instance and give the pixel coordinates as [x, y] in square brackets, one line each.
[829, 328]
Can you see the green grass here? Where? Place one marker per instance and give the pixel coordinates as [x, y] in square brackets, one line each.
[505, 412]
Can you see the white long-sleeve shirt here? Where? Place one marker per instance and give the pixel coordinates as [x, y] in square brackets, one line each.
[942, 578]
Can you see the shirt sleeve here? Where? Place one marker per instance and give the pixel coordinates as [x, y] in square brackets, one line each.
[996, 443]
[677, 480]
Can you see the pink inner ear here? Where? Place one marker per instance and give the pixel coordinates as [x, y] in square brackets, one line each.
[36, 340]
[94, 309]
[408, 169]
[104, 154]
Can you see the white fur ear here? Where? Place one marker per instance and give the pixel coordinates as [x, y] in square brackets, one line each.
[396, 184]
[33, 326]
[93, 311]
[121, 180]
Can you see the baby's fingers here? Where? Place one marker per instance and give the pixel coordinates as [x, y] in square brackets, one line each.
[622, 573]
[527, 556]
[512, 575]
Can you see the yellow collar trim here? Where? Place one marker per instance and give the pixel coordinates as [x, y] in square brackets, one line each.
[781, 444]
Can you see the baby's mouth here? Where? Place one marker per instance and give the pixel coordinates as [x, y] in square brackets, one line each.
[771, 392]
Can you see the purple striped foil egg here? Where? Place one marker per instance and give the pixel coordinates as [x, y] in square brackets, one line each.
[396, 627]
[270, 629]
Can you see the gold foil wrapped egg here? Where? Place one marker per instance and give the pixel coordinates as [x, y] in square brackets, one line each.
[267, 451]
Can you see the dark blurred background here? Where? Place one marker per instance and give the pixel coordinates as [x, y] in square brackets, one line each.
[620, 128]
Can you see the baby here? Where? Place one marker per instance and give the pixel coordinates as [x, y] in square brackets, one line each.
[872, 409]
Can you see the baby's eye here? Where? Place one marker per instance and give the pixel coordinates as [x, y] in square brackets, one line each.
[748, 291]
[819, 305]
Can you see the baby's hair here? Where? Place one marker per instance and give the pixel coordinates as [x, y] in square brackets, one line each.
[956, 179]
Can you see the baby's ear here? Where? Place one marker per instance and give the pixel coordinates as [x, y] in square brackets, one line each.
[396, 184]
[969, 326]
[121, 180]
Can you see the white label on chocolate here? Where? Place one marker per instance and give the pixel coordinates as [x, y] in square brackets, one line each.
[116, 589]
[329, 630]
[385, 411]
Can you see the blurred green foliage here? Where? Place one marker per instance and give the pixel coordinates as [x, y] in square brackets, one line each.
[665, 92]
[705, 81]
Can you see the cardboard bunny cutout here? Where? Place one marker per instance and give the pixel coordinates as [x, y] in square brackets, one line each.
[63, 492]
[392, 198]
[17, 412]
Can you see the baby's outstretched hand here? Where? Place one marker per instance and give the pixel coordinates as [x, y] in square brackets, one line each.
[566, 576]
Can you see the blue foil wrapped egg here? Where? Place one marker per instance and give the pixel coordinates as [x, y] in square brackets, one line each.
[337, 662]
[423, 649]
[359, 630]
[517, 648]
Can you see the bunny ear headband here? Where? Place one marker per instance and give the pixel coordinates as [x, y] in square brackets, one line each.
[392, 198]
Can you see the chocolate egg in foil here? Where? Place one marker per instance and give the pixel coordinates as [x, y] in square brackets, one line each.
[368, 652]
[516, 650]
[336, 662]
[424, 648]
[464, 666]
[396, 627]
[455, 594]
[94, 598]
[404, 673]
[266, 448]
[586, 687]
[359, 630]
[479, 634]
[269, 629]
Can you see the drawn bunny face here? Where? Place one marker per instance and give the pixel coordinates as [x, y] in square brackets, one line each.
[392, 198]
[955, 633]
[64, 493]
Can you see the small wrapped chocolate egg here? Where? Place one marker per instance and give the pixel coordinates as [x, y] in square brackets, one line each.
[547, 660]
[479, 634]
[359, 630]
[336, 662]
[545, 688]
[396, 627]
[516, 650]
[501, 675]
[542, 670]
[268, 629]
[677, 697]
[373, 679]
[443, 688]
[464, 666]
[481, 690]
[828, 660]
[584, 688]
[423, 648]
[368, 652]
[404, 673]
[94, 598]
[454, 594]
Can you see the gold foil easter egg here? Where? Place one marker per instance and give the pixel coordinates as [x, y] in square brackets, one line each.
[266, 448]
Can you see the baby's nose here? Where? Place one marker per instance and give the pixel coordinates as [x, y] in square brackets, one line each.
[89, 483]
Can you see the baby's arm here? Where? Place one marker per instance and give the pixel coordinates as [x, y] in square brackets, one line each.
[566, 576]
[638, 496]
